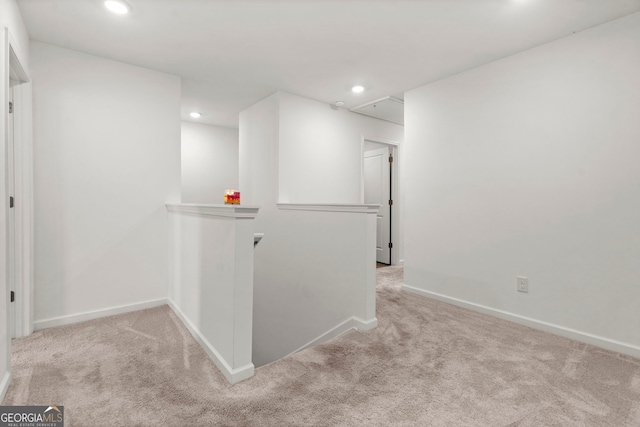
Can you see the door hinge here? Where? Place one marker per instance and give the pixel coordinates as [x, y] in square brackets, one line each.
[10, 107]
[390, 245]
[390, 202]
[10, 201]
[390, 159]
[13, 296]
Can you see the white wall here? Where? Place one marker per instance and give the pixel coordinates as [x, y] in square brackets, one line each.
[314, 277]
[16, 36]
[209, 162]
[305, 151]
[212, 286]
[312, 269]
[258, 152]
[529, 166]
[258, 171]
[11, 18]
[106, 160]
[321, 154]
[321, 150]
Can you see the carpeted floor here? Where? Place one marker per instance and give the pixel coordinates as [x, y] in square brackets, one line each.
[426, 364]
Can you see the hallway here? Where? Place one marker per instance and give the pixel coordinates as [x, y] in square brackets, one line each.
[427, 363]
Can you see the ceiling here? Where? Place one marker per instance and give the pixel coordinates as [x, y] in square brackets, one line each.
[233, 53]
[388, 108]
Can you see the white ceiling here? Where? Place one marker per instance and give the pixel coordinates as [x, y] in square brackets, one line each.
[232, 53]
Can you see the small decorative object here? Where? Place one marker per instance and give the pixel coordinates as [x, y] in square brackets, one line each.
[232, 197]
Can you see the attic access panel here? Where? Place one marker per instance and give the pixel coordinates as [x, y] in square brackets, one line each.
[388, 108]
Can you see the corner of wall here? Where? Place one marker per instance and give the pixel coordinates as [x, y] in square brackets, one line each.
[232, 375]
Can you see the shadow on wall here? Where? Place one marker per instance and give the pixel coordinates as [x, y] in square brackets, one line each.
[314, 278]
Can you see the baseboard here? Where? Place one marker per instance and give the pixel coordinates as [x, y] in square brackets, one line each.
[365, 325]
[96, 314]
[232, 375]
[4, 385]
[351, 324]
[608, 344]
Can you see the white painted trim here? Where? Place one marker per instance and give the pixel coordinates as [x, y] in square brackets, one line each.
[366, 325]
[351, 324]
[573, 334]
[329, 207]
[341, 329]
[396, 238]
[221, 211]
[4, 199]
[96, 314]
[23, 182]
[4, 385]
[232, 375]
[17, 74]
[380, 141]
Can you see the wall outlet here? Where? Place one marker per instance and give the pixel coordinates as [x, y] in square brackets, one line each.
[523, 284]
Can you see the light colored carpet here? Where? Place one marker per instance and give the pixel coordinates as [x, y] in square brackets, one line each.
[427, 364]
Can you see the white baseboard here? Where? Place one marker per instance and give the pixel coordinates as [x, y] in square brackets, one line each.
[351, 324]
[365, 325]
[573, 334]
[232, 375]
[4, 385]
[96, 314]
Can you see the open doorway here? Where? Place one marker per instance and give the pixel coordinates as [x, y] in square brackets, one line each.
[379, 170]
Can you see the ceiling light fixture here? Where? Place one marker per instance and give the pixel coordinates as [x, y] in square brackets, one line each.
[117, 6]
[357, 89]
[339, 103]
[195, 115]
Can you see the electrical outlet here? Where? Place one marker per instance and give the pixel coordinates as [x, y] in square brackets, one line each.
[523, 284]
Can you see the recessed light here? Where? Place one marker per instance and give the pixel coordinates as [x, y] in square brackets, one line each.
[339, 103]
[195, 115]
[117, 6]
[357, 89]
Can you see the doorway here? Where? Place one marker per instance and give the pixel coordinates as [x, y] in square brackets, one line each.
[18, 164]
[379, 187]
[11, 217]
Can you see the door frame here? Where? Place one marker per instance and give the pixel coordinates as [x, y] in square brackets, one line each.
[382, 168]
[21, 272]
[396, 194]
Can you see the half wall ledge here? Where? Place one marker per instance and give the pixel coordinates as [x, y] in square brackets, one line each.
[330, 207]
[222, 211]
